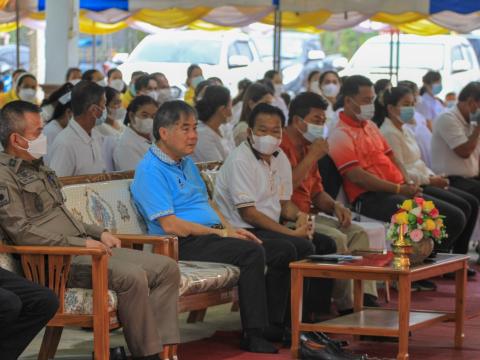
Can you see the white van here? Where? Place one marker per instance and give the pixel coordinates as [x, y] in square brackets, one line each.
[229, 55]
[451, 55]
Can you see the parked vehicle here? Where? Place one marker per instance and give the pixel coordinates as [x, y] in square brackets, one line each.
[229, 55]
[475, 42]
[301, 53]
[453, 56]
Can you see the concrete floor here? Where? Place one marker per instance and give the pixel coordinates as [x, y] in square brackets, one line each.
[78, 344]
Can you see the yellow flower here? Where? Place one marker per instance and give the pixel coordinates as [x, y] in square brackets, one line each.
[429, 225]
[428, 206]
[439, 222]
[401, 218]
[407, 205]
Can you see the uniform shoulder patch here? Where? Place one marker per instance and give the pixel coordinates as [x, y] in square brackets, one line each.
[26, 176]
[4, 196]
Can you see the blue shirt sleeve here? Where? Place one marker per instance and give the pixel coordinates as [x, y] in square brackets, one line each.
[151, 192]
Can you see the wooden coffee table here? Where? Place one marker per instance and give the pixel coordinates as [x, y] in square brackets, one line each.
[375, 321]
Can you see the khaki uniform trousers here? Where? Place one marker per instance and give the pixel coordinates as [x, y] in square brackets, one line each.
[147, 290]
[351, 238]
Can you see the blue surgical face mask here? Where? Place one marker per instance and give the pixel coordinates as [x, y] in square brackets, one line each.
[407, 113]
[437, 88]
[132, 90]
[197, 80]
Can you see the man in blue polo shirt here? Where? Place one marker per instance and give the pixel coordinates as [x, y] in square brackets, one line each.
[172, 197]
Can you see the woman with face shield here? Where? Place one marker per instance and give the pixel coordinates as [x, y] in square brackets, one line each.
[137, 136]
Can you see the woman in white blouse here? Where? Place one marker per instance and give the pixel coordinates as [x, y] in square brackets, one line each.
[214, 109]
[399, 110]
[330, 84]
[113, 126]
[136, 138]
[428, 104]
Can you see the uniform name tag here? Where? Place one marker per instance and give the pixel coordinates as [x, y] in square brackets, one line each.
[26, 177]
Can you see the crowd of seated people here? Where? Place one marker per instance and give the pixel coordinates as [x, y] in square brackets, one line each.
[269, 206]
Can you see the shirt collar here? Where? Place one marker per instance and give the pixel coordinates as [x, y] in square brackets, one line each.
[16, 163]
[351, 122]
[75, 126]
[164, 157]
[390, 125]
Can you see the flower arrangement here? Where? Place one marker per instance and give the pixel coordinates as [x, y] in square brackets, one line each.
[421, 220]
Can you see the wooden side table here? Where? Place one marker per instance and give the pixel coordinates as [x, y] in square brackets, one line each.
[374, 321]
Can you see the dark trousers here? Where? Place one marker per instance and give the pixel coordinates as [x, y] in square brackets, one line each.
[465, 202]
[25, 308]
[381, 206]
[249, 257]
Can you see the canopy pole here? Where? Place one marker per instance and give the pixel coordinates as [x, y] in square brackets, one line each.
[277, 36]
[397, 65]
[17, 32]
[390, 66]
[94, 51]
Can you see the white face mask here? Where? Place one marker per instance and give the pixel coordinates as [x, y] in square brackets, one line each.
[47, 112]
[119, 114]
[27, 95]
[38, 147]
[366, 112]
[315, 87]
[313, 132]
[143, 126]
[164, 95]
[266, 145]
[102, 83]
[75, 81]
[101, 120]
[153, 94]
[117, 84]
[278, 89]
[330, 90]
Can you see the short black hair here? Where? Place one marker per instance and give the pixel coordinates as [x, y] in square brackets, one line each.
[325, 73]
[142, 82]
[312, 74]
[12, 120]
[381, 85]
[265, 109]
[85, 94]
[352, 85]
[88, 75]
[110, 94]
[191, 69]
[431, 76]
[135, 104]
[303, 103]
[270, 74]
[471, 90]
[70, 71]
[169, 114]
[111, 71]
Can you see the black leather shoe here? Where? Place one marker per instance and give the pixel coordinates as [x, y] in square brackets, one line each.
[257, 344]
[116, 353]
[329, 352]
[322, 339]
[451, 276]
[370, 301]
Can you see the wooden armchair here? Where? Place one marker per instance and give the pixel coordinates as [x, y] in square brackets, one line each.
[50, 267]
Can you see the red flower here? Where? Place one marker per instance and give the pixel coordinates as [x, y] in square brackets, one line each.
[436, 233]
[434, 213]
[419, 201]
[420, 221]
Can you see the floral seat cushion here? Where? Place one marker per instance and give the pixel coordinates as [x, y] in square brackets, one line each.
[196, 277]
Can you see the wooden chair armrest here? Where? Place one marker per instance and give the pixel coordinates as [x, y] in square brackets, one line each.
[51, 250]
[162, 244]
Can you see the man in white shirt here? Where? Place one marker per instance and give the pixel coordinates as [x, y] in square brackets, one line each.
[253, 190]
[455, 145]
[77, 150]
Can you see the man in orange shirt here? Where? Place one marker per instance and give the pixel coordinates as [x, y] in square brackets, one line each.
[374, 180]
[304, 144]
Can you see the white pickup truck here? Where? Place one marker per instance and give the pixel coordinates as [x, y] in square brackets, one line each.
[229, 55]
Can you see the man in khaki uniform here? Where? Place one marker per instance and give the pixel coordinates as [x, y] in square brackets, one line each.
[32, 212]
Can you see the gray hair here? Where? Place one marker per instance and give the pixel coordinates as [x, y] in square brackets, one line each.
[12, 119]
[169, 114]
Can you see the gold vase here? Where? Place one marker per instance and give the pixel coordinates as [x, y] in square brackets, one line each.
[401, 250]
